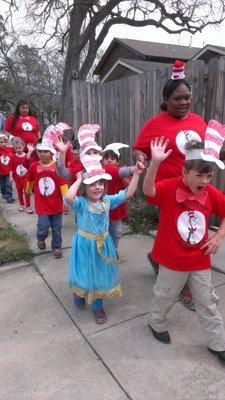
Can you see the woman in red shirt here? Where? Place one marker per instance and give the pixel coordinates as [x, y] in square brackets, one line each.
[180, 126]
[22, 123]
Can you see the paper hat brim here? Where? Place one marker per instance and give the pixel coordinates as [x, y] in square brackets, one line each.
[41, 146]
[93, 146]
[92, 179]
[4, 135]
[115, 147]
[211, 158]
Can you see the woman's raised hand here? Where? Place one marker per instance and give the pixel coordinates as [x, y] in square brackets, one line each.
[158, 149]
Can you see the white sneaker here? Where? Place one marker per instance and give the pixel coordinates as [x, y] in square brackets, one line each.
[29, 210]
[22, 208]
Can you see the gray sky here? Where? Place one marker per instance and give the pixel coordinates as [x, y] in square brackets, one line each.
[210, 35]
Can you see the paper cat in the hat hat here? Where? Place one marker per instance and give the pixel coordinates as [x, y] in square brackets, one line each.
[86, 138]
[93, 167]
[51, 133]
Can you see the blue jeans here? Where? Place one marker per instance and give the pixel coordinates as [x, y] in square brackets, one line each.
[115, 230]
[6, 187]
[43, 225]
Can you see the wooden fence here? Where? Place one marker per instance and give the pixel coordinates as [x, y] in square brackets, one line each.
[121, 107]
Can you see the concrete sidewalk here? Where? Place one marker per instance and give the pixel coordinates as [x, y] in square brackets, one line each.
[49, 350]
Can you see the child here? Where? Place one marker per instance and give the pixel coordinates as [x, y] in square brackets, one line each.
[111, 156]
[86, 136]
[48, 192]
[93, 271]
[6, 153]
[182, 245]
[20, 165]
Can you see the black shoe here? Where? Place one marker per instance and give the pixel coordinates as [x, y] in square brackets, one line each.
[154, 264]
[163, 337]
[219, 354]
[12, 200]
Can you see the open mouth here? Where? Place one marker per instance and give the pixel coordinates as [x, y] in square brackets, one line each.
[200, 187]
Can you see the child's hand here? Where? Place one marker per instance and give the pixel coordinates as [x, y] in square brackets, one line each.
[212, 244]
[60, 145]
[139, 167]
[79, 176]
[142, 158]
[158, 149]
[30, 147]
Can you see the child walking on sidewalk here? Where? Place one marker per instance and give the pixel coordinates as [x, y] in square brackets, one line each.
[49, 190]
[6, 153]
[20, 165]
[93, 269]
[182, 246]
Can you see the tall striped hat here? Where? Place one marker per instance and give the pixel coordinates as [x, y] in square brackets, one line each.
[178, 70]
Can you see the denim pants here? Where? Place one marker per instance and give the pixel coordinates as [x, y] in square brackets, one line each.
[6, 187]
[115, 230]
[43, 225]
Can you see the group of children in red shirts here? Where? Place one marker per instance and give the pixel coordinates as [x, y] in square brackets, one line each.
[47, 171]
[183, 257]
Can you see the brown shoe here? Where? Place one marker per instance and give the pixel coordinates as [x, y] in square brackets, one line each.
[41, 244]
[57, 253]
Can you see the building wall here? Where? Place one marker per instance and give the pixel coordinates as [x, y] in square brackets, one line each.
[118, 51]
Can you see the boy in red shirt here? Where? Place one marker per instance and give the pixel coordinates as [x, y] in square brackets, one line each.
[111, 156]
[49, 190]
[182, 246]
[6, 153]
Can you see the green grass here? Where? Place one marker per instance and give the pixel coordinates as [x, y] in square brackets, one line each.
[13, 245]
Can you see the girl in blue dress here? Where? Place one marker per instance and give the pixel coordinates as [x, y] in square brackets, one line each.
[93, 266]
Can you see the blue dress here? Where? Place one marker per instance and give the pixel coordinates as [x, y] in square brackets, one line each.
[90, 275]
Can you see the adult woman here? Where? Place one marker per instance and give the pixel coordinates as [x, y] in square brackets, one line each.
[177, 124]
[22, 123]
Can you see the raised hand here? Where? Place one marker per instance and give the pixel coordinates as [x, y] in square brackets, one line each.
[158, 149]
[60, 146]
[30, 147]
[139, 167]
[79, 176]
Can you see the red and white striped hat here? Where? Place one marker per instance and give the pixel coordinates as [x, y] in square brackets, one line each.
[94, 171]
[214, 138]
[51, 133]
[178, 70]
[86, 138]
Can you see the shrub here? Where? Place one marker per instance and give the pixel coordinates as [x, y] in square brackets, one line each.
[142, 217]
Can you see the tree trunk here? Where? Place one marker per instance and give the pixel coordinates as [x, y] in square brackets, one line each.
[71, 70]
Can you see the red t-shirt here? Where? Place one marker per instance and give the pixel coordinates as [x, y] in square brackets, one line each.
[74, 167]
[184, 228]
[25, 128]
[6, 160]
[20, 167]
[69, 157]
[178, 131]
[47, 194]
[114, 186]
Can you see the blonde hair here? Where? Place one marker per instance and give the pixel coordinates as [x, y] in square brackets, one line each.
[17, 141]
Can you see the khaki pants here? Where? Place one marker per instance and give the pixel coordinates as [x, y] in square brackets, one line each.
[169, 284]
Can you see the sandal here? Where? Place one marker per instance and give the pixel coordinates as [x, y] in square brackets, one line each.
[154, 264]
[79, 302]
[100, 316]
